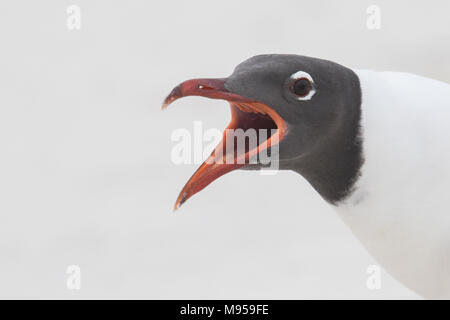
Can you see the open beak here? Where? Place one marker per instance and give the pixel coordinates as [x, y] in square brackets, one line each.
[245, 114]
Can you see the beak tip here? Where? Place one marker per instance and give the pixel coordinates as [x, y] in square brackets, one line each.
[176, 206]
[167, 101]
[174, 95]
[180, 201]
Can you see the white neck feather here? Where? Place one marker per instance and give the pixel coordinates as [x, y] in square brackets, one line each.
[399, 207]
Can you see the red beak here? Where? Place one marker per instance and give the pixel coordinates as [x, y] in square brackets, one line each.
[245, 113]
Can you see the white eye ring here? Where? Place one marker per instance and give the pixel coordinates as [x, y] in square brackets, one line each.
[306, 75]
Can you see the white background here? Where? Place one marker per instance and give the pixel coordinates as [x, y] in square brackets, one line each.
[86, 176]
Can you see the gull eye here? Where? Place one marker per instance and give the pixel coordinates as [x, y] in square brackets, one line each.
[302, 86]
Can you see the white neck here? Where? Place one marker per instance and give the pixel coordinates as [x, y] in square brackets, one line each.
[397, 209]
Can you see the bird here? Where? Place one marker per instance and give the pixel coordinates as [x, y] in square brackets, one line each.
[373, 144]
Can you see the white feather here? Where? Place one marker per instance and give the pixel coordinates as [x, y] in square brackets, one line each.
[400, 207]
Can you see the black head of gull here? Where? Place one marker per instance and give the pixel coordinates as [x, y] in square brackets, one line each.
[315, 107]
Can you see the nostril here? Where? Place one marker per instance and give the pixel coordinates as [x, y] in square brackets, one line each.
[203, 87]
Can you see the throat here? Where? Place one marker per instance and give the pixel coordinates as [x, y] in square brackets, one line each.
[333, 174]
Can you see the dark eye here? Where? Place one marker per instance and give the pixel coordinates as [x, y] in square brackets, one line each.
[301, 87]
